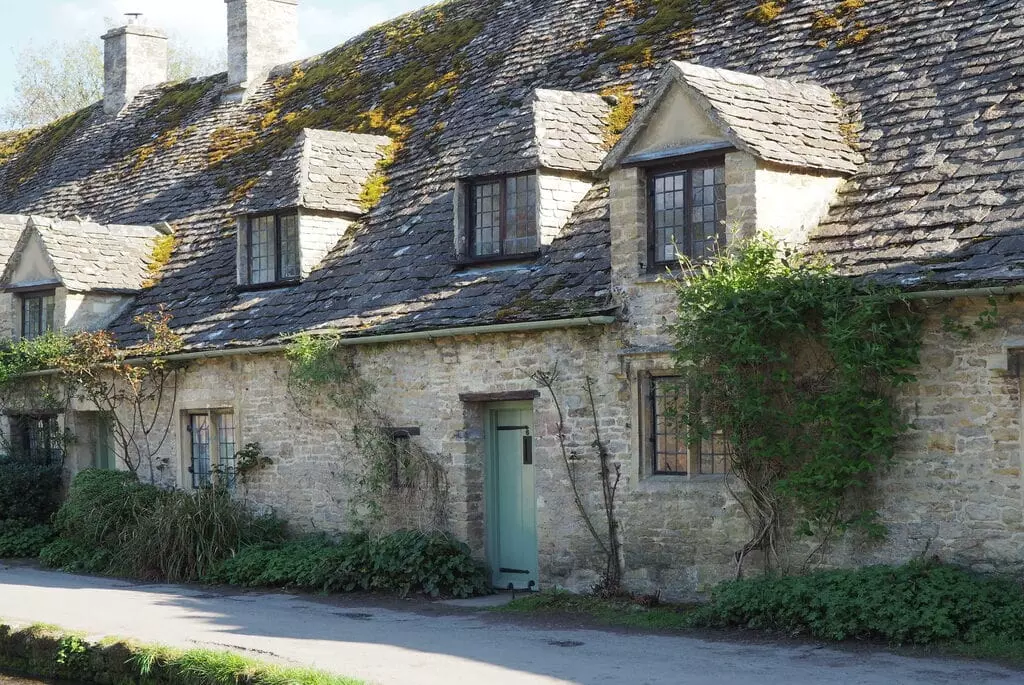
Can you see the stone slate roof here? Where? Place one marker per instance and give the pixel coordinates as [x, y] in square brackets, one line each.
[570, 130]
[934, 90]
[323, 171]
[11, 228]
[88, 257]
[777, 120]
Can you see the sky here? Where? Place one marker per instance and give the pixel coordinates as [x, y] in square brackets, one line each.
[199, 23]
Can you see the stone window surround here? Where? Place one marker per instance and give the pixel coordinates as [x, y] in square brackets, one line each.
[464, 219]
[686, 163]
[185, 480]
[245, 250]
[638, 366]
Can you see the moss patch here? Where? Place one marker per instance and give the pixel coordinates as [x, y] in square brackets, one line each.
[766, 12]
[163, 249]
[840, 28]
[30, 151]
[13, 142]
[46, 651]
[621, 114]
[657, 19]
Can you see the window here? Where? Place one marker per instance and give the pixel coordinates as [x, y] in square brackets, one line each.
[212, 448]
[272, 243]
[37, 438]
[103, 446]
[502, 217]
[686, 213]
[669, 449]
[36, 314]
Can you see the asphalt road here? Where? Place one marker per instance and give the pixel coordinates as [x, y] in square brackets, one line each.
[388, 643]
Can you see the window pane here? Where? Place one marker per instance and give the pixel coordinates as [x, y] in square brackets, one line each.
[48, 306]
[708, 209]
[668, 427]
[262, 250]
[485, 216]
[289, 246]
[226, 447]
[199, 427]
[520, 214]
[669, 220]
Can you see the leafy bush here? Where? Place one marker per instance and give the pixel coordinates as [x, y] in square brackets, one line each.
[406, 562]
[920, 603]
[20, 540]
[28, 491]
[113, 524]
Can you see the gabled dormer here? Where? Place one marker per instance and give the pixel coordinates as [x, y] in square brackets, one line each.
[516, 191]
[302, 207]
[73, 275]
[717, 155]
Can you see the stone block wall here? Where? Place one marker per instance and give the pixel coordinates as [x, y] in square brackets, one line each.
[954, 488]
[558, 195]
[318, 233]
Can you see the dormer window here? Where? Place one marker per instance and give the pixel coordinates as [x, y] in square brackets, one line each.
[273, 249]
[502, 217]
[37, 309]
[686, 212]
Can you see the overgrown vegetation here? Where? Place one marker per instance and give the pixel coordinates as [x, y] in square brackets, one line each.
[407, 562]
[29, 495]
[49, 652]
[113, 524]
[27, 152]
[794, 366]
[923, 602]
[397, 483]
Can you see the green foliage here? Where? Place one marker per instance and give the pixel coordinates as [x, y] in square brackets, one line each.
[22, 356]
[251, 458]
[49, 652]
[920, 603]
[113, 524]
[29, 492]
[20, 540]
[794, 365]
[406, 562]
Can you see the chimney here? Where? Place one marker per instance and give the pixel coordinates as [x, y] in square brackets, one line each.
[261, 35]
[134, 57]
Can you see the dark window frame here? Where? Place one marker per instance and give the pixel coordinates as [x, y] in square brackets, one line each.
[694, 457]
[221, 468]
[24, 426]
[687, 165]
[278, 279]
[23, 299]
[469, 186]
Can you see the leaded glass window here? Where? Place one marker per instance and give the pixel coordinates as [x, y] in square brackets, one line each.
[687, 213]
[37, 314]
[503, 216]
[273, 248]
[212, 440]
[672, 450]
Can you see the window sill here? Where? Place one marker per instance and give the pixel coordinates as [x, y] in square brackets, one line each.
[477, 262]
[672, 483]
[276, 285]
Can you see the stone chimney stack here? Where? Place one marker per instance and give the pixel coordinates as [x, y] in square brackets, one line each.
[261, 35]
[134, 57]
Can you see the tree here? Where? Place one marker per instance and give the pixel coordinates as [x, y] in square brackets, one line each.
[57, 79]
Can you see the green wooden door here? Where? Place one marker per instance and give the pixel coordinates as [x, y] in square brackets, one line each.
[512, 502]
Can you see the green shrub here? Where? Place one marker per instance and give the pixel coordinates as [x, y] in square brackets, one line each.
[113, 524]
[28, 491]
[919, 603]
[404, 562]
[21, 540]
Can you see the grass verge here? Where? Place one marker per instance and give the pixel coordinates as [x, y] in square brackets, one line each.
[46, 651]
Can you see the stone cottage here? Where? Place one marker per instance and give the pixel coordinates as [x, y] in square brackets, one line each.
[485, 189]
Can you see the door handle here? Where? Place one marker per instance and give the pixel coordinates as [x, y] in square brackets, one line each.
[527, 449]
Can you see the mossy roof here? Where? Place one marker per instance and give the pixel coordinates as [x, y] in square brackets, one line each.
[931, 90]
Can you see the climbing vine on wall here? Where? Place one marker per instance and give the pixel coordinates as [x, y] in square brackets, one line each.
[398, 482]
[794, 365]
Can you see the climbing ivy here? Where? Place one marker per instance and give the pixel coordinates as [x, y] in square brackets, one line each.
[794, 364]
[395, 474]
